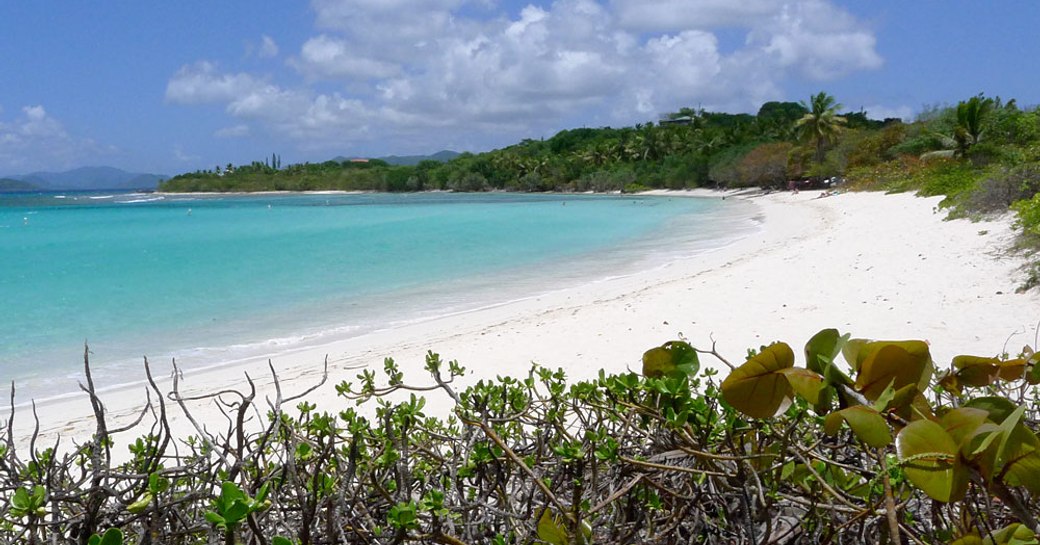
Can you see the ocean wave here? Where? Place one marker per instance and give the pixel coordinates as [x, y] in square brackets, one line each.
[150, 199]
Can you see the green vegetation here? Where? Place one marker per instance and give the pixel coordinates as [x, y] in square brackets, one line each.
[888, 447]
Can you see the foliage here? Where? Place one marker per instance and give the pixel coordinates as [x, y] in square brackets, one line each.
[1029, 215]
[952, 449]
[833, 453]
[822, 123]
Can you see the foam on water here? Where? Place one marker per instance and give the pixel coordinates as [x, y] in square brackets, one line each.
[247, 276]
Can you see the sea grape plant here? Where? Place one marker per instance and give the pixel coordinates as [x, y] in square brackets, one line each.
[943, 449]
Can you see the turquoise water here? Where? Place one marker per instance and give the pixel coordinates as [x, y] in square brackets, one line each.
[219, 278]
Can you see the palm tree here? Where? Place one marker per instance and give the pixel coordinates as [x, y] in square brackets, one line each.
[822, 123]
[970, 115]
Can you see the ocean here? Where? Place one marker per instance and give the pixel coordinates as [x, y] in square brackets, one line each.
[212, 279]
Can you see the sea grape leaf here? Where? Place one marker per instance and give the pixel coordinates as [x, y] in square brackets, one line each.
[968, 539]
[1013, 534]
[866, 422]
[948, 381]
[551, 529]
[921, 408]
[962, 422]
[930, 461]
[756, 388]
[805, 383]
[1018, 453]
[898, 401]
[672, 359]
[851, 352]
[1011, 370]
[896, 363]
[980, 447]
[821, 352]
[999, 408]
[976, 371]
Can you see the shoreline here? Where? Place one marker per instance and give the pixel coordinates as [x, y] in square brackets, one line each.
[302, 326]
[817, 263]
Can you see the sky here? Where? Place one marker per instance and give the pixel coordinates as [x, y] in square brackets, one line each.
[171, 87]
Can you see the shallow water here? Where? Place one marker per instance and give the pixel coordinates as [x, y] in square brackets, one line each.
[209, 279]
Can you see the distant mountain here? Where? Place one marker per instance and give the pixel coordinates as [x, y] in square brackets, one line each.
[7, 185]
[88, 178]
[411, 160]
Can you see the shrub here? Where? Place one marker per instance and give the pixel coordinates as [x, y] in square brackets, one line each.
[1029, 215]
[764, 166]
[1001, 189]
[668, 456]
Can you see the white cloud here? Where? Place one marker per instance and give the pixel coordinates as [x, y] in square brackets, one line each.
[234, 131]
[200, 83]
[268, 48]
[818, 39]
[394, 70]
[327, 57]
[35, 140]
[673, 15]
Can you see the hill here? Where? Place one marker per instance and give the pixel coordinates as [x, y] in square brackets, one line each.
[442, 156]
[89, 178]
[7, 185]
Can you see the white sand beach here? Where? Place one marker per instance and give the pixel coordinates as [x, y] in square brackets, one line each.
[878, 266]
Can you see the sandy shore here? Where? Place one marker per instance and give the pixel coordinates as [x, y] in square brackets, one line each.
[878, 266]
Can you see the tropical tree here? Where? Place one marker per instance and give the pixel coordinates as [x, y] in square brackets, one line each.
[822, 122]
[970, 115]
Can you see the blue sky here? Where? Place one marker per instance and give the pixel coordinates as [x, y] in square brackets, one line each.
[176, 86]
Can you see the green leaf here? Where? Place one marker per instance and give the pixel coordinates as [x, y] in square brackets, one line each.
[279, 540]
[930, 461]
[962, 423]
[866, 423]
[21, 499]
[898, 364]
[236, 513]
[1018, 453]
[672, 359]
[140, 505]
[157, 484]
[756, 388]
[113, 536]
[261, 494]
[214, 518]
[820, 353]
[976, 371]
[1014, 534]
[999, 408]
[551, 529]
[805, 383]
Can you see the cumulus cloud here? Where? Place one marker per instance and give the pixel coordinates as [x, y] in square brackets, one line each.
[820, 40]
[201, 83]
[398, 69]
[35, 140]
[332, 58]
